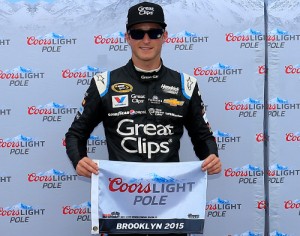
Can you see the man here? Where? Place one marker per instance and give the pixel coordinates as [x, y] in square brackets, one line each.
[144, 106]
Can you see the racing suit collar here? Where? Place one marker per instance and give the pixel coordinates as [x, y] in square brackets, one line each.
[145, 76]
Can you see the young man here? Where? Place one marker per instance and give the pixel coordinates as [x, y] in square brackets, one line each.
[144, 106]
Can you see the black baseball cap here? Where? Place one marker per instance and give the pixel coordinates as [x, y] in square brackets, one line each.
[145, 12]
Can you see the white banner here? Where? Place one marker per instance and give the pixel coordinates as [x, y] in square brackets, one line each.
[148, 197]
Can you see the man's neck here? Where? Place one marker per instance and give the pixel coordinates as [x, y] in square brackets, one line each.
[147, 71]
[147, 66]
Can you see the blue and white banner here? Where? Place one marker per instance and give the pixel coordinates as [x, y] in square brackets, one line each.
[128, 197]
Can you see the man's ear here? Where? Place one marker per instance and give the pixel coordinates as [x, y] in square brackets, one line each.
[165, 35]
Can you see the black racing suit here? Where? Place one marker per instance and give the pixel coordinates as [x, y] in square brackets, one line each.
[143, 115]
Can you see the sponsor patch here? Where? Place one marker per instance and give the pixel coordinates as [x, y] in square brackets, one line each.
[173, 102]
[122, 87]
[120, 101]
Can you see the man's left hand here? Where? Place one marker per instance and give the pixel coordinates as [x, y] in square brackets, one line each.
[212, 164]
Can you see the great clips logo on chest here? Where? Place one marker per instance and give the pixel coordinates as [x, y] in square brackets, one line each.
[134, 137]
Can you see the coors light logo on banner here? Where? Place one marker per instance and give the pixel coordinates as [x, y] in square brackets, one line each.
[51, 112]
[20, 213]
[82, 212]
[223, 139]
[185, 40]
[219, 207]
[51, 42]
[247, 174]
[218, 72]
[51, 179]
[115, 41]
[82, 75]
[20, 145]
[20, 76]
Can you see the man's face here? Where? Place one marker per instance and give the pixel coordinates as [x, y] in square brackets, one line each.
[146, 49]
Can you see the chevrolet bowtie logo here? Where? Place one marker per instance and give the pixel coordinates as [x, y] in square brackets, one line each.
[173, 102]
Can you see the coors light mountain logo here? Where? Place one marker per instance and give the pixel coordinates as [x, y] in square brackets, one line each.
[51, 42]
[277, 38]
[51, 179]
[185, 40]
[51, 112]
[223, 139]
[251, 38]
[248, 233]
[21, 144]
[292, 70]
[219, 207]
[249, 107]
[81, 211]
[20, 76]
[218, 72]
[292, 137]
[247, 174]
[93, 142]
[115, 41]
[82, 75]
[277, 173]
[20, 213]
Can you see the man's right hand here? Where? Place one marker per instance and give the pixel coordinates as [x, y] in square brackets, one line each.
[86, 167]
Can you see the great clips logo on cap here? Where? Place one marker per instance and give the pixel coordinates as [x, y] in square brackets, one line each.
[145, 12]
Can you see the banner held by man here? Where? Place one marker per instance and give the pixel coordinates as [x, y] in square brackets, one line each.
[148, 197]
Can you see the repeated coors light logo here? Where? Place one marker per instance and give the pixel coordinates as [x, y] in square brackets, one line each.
[290, 204]
[260, 137]
[290, 69]
[218, 72]
[218, 207]
[51, 179]
[20, 76]
[82, 75]
[82, 211]
[51, 112]
[185, 40]
[20, 145]
[292, 137]
[116, 41]
[51, 42]
[20, 213]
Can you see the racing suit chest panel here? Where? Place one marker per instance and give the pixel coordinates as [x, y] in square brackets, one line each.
[144, 118]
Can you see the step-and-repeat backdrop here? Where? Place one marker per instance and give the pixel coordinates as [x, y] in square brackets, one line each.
[49, 51]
